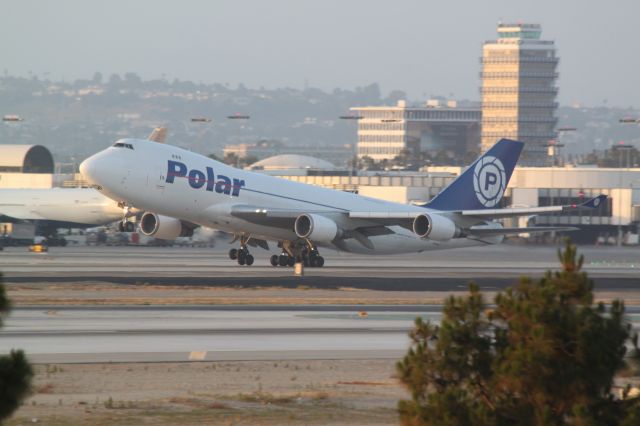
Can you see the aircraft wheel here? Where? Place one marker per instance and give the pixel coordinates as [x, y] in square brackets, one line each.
[274, 260]
[248, 260]
[129, 227]
[283, 260]
[319, 261]
[233, 254]
[291, 261]
[241, 257]
[120, 226]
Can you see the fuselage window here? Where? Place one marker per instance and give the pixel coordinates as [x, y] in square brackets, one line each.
[123, 145]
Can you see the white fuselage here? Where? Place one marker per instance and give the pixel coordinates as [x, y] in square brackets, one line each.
[82, 206]
[144, 177]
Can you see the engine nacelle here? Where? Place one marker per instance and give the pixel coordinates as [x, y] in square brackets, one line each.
[435, 227]
[316, 227]
[163, 227]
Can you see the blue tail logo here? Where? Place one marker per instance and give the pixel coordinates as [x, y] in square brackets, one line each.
[489, 180]
[483, 184]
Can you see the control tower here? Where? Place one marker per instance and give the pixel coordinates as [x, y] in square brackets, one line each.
[518, 90]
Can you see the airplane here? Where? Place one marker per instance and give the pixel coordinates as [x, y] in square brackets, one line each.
[180, 190]
[53, 208]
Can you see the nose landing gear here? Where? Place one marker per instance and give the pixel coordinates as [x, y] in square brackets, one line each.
[125, 225]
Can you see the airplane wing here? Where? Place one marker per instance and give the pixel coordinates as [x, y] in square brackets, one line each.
[258, 213]
[360, 230]
[466, 207]
[485, 213]
[515, 212]
[361, 225]
[485, 232]
[18, 212]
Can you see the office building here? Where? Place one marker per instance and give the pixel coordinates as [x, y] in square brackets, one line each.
[384, 132]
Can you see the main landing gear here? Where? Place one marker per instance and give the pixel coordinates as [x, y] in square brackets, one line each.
[242, 254]
[307, 255]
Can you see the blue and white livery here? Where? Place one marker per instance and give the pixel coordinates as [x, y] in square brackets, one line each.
[180, 190]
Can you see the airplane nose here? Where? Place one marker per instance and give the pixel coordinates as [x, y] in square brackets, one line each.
[87, 167]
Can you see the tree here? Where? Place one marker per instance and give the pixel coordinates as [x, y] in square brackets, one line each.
[231, 159]
[545, 355]
[97, 78]
[15, 371]
[403, 159]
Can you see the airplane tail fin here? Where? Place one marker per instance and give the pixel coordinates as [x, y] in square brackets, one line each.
[159, 134]
[481, 185]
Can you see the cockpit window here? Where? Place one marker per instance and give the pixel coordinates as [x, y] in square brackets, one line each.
[123, 145]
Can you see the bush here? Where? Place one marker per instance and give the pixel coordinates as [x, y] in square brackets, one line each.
[16, 373]
[545, 355]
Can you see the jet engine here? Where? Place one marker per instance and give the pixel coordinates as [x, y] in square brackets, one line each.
[435, 227]
[316, 227]
[163, 227]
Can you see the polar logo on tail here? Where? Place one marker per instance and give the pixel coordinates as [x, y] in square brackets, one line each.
[489, 180]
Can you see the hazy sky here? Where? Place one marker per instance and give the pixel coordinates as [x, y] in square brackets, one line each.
[423, 47]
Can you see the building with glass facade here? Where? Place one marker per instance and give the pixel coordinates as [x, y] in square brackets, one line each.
[385, 131]
[519, 72]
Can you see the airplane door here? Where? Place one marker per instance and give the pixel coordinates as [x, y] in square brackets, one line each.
[126, 178]
[160, 180]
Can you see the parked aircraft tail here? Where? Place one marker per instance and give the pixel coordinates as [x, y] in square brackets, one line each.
[159, 134]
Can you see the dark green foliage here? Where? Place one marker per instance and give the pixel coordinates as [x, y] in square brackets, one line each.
[15, 371]
[545, 355]
[5, 304]
[15, 381]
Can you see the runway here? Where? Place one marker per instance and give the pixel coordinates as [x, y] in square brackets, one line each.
[90, 334]
[215, 333]
[157, 334]
[615, 268]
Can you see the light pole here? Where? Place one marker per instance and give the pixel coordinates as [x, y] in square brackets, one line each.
[627, 148]
[241, 118]
[553, 151]
[553, 148]
[201, 121]
[354, 153]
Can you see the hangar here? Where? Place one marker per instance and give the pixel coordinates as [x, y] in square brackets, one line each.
[26, 166]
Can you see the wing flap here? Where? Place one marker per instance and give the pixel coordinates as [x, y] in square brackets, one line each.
[484, 232]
